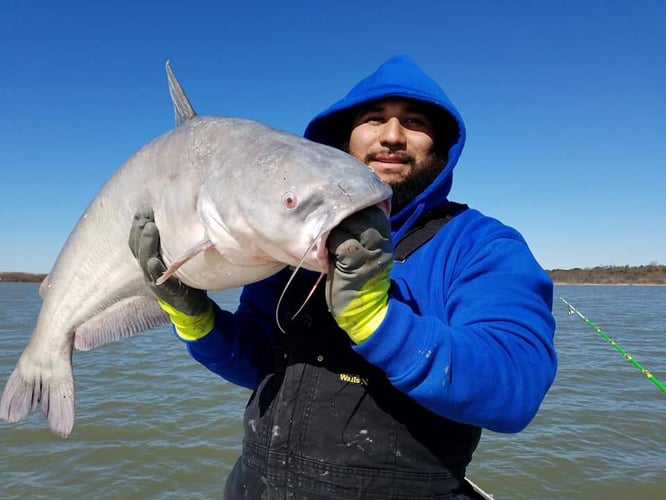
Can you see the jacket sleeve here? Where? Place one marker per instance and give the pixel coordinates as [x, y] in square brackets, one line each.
[479, 349]
[240, 347]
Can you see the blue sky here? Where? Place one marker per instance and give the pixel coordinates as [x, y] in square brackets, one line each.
[564, 103]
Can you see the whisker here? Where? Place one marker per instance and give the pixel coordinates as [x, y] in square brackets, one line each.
[291, 278]
[310, 293]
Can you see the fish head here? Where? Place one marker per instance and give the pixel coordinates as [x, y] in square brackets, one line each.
[287, 200]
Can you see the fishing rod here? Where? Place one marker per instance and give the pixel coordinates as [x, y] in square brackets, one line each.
[617, 346]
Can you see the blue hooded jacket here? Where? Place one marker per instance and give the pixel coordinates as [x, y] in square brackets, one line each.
[397, 77]
[469, 329]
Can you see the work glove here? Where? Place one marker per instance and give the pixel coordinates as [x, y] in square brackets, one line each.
[189, 309]
[358, 281]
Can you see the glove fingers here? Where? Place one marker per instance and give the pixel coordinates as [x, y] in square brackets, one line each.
[171, 288]
[369, 217]
[348, 251]
[149, 244]
[369, 226]
[154, 269]
[141, 217]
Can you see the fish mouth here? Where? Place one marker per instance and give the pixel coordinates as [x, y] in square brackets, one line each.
[385, 207]
[319, 246]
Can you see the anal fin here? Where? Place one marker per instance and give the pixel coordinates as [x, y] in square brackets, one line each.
[126, 318]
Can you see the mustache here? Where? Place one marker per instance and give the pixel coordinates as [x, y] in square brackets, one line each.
[403, 156]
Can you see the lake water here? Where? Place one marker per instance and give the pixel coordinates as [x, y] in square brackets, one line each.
[152, 423]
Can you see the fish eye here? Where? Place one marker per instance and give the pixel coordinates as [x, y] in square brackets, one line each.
[289, 200]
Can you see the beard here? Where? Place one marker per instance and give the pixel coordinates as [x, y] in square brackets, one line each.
[405, 190]
[408, 188]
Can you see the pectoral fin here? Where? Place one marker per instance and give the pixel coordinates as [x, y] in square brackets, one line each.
[202, 246]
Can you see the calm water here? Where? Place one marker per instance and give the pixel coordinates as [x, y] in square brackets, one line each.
[151, 423]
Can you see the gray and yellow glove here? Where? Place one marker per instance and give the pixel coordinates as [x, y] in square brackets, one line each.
[358, 280]
[189, 309]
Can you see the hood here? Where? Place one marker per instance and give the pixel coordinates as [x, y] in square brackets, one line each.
[397, 77]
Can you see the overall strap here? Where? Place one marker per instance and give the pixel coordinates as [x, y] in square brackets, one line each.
[425, 228]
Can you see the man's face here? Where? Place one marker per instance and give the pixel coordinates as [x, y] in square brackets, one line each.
[395, 138]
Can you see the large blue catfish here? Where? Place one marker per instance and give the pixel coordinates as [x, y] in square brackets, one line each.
[235, 202]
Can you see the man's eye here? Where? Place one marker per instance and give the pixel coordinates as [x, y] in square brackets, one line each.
[373, 119]
[417, 123]
[418, 119]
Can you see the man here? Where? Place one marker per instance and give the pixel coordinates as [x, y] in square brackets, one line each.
[380, 386]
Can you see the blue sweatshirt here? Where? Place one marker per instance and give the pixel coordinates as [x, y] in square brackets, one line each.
[469, 329]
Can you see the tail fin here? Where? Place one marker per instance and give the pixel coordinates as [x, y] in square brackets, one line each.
[30, 386]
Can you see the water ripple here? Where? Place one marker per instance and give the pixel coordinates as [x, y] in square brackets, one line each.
[152, 423]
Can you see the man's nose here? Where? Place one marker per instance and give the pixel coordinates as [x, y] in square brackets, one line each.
[392, 133]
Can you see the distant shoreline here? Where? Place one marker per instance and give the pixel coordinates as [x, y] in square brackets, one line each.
[18, 277]
[652, 275]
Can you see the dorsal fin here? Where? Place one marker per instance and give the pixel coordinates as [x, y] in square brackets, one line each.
[181, 104]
